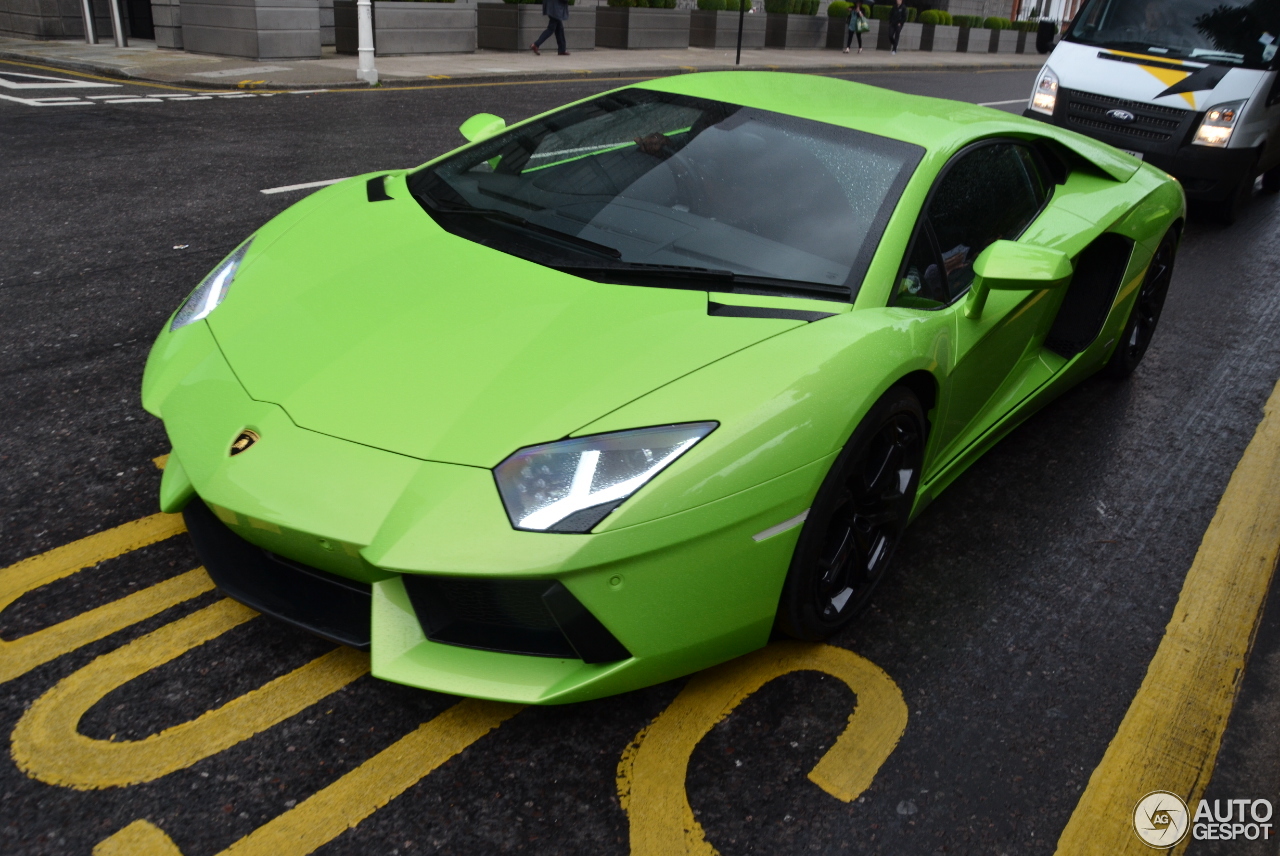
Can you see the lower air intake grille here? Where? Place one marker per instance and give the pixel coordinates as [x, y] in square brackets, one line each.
[541, 618]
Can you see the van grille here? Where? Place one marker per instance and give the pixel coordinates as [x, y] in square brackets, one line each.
[1087, 112]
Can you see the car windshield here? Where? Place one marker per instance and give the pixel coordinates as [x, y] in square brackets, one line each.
[650, 188]
[1226, 32]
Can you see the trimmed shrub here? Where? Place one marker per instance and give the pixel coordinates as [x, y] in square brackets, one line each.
[880, 12]
[838, 9]
[994, 23]
[733, 5]
[967, 20]
[912, 11]
[777, 7]
[711, 5]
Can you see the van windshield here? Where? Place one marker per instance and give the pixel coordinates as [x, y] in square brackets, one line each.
[1226, 32]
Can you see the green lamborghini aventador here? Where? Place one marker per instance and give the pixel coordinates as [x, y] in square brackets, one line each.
[612, 394]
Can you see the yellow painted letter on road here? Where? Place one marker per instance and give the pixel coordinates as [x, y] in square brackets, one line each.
[19, 656]
[651, 776]
[345, 803]
[48, 746]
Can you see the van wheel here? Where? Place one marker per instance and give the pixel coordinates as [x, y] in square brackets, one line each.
[856, 521]
[1229, 210]
[1271, 180]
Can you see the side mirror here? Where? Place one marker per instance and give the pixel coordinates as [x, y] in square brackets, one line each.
[482, 126]
[1010, 266]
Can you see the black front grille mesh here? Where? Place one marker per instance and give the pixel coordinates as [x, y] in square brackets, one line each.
[509, 603]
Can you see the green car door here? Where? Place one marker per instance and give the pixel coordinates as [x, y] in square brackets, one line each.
[989, 192]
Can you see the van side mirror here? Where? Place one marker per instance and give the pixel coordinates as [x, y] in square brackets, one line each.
[1010, 266]
[482, 126]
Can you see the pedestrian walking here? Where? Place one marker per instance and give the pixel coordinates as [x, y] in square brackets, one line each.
[897, 20]
[857, 25]
[557, 12]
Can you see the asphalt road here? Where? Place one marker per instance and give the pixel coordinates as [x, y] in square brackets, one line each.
[1019, 621]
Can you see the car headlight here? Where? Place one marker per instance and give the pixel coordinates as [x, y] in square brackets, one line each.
[1045, 96]
[1216, 126]
[211, 290]
[571, 485]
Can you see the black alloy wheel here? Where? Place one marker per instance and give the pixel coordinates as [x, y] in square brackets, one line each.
[1145, 314]
[856, 520]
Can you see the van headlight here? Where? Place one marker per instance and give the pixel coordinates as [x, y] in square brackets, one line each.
[1045, 96]
[1216, 126]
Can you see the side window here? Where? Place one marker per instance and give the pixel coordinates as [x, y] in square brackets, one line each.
[923, 285]
[993, 192]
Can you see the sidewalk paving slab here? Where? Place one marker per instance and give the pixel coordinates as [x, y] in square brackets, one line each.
[142, 61]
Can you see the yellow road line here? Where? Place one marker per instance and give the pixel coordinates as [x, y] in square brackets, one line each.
[345, 803]
[47, 745]
[651, 775]
[1169, 737]
[21, 655]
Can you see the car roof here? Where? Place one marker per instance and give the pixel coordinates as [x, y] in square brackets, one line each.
[938, 125]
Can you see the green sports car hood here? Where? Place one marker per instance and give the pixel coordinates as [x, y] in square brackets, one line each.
[367, 321]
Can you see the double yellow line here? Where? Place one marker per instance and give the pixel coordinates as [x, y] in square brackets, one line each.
[1169, 737]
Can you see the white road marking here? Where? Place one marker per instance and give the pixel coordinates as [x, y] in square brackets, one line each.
[40, 81]
[289, 187]
[238, 72]
[306, 91]
[1002, 103]
[41, 102]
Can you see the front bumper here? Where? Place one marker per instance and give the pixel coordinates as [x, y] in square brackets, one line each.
[674, 594]
[1162, 135]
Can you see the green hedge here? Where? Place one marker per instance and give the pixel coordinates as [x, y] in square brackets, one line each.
[912, 11]
[711, 5]
[880, 12]
[838, 9]
[936, 16]
[643, 4]
[732, 5]
[1026, 26]
[967, 20]
[994, 23]
[791, 7]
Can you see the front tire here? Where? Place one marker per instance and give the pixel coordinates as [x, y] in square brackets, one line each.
[856, 521]
[1145, 314]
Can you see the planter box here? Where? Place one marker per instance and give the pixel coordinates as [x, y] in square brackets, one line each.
[794, 31]
[836, 28]
[939, 37]
[511, 27]
[166, 15]
[257, 29]
[720, 29]
[326, 23]
[405, 28]
[910, 40]
[633, 27]
[1004, 41]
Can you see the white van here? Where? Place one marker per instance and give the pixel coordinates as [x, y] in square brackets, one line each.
[1190, 86]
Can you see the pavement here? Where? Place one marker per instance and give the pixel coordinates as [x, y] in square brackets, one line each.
[142, 60]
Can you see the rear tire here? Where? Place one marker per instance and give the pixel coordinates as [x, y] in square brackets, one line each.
[1145, 314]
[856, 521]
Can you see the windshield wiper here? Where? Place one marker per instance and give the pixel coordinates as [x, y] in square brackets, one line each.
[516, 220]
[687, 276]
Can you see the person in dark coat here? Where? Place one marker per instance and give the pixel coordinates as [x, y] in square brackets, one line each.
[557, 12]
[897, 19]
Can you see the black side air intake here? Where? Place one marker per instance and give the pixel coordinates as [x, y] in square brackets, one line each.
[1093, 289]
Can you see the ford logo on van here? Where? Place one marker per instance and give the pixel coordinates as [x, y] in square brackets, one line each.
[1120, 116]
